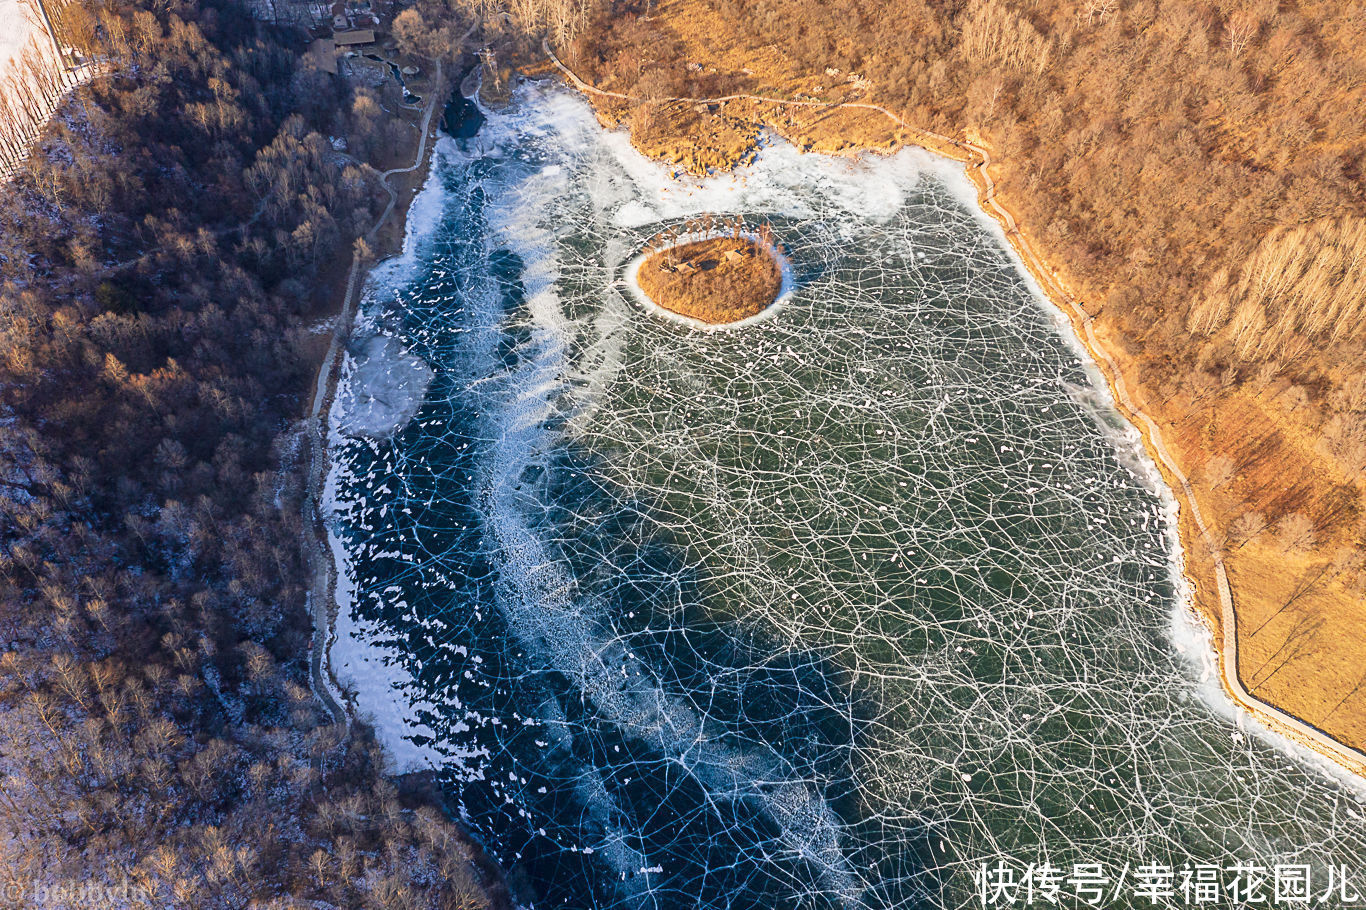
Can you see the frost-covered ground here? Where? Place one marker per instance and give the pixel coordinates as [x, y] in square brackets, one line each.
[16, 29]
[825, 611]
[21, 30]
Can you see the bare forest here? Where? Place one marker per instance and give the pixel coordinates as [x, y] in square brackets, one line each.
[175, 228]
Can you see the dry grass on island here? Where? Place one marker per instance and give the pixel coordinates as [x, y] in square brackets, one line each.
[729, 275]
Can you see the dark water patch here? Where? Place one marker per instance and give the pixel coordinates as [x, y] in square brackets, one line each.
[461, 117]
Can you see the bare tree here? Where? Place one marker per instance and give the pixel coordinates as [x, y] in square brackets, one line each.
[1297, 532]
[1097, 11]
[1242, 27]
[1245, 528]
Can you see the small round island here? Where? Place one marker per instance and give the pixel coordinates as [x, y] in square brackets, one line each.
[723, 278]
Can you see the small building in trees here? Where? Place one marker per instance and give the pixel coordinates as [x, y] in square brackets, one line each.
[358, 37]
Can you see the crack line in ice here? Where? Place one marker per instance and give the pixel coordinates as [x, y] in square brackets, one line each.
[821, 611]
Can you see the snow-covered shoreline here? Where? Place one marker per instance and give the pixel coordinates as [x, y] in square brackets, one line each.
[371, 674]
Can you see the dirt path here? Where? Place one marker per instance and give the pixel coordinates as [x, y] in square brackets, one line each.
[321, 564]
[978, 160]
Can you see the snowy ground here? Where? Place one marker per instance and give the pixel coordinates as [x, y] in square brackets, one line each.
[16, 27]
[21, 27]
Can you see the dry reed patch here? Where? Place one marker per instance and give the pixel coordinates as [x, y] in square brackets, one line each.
[693, 136]
[1285, 510]
[718, 280]
[1301, 632]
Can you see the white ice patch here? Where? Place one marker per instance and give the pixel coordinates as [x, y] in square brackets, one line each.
[778, 182]
[381, 690]
[634, 190]
[382, 388]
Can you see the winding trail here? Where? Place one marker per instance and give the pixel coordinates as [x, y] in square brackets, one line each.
[978, 160]
[322, 566]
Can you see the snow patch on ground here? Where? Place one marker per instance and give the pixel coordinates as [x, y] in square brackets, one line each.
[16, 28]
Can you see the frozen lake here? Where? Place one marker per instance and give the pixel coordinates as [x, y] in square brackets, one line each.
[828, 611]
